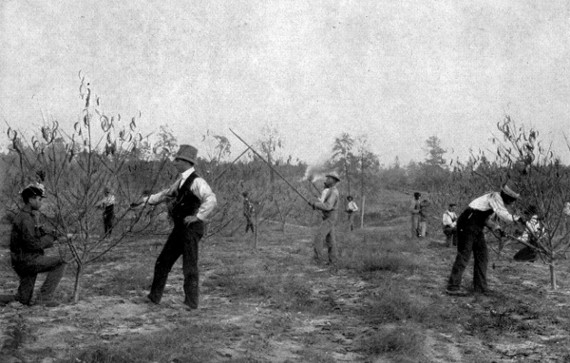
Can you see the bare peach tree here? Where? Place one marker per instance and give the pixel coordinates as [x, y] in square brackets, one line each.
[76, 166]
[520, 156]
[544, 182]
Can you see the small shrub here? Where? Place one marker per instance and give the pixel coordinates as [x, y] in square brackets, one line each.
[390, 262]
[395, 305]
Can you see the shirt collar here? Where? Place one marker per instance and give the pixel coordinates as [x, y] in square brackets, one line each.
[186, 174]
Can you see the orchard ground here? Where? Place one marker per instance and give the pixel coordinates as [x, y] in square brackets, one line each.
[383, 302]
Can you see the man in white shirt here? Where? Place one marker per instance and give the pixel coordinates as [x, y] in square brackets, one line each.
[471, 239]
[194, 201]
[449, 221]
[351, 209]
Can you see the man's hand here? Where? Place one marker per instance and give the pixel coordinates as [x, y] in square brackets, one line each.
[138, 202]
[312, 203]
[191, 219]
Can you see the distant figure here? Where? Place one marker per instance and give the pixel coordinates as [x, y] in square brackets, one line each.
[415, 211]
[108, 206]
[28, 240]
[248, 211]
[449, 221]
[531, 235]
[471, 238]
[328, 205]
[351, 209]
[424, 213]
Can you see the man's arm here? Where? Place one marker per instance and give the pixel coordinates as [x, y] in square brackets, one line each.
[329, 203]
[208, 200]
[498, 206]
[160, 197]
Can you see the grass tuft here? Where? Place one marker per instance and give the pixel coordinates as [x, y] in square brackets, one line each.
[402, 344]
[395, 305]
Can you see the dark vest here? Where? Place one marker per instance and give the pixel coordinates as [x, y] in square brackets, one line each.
[185, 202]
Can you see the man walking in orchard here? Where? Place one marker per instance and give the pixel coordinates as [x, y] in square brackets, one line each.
[471, 239]
[328, 205]
[193, 202]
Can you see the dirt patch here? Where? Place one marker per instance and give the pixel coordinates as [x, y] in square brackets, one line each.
[274, 305]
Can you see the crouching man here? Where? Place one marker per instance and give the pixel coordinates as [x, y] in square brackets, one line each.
[28, 240]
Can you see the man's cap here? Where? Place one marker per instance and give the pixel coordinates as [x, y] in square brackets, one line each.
[187, 153]
[334, 175]
[417, 194]
[510, 192]
[452, 204]
[33, 190]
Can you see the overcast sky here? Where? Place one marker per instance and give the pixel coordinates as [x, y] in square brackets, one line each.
[395, 71]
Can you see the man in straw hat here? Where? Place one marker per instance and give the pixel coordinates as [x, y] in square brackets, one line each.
[328, 205]
[193, 202]
[471, 239]
[28, 240]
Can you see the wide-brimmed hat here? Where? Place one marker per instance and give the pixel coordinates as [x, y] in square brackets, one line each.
[187, 153]
[510, 192]
[334, 175]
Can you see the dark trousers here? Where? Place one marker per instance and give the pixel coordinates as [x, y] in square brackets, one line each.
[450, 235]
[470, 239]
[249, 224]
[28, 267]
[350, 220]
[183, 240]
[108, 219]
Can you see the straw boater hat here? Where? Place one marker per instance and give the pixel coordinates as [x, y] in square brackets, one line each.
[334, 175]
[510, 192]
[187, 153]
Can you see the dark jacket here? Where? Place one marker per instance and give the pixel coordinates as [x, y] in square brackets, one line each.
[28, 235]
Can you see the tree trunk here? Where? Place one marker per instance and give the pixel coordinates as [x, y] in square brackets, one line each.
[255, 228]
[362, 212]
[553, 284]
[76, 285]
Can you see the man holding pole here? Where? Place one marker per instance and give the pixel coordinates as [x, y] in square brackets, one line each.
[194, 201]
[328, 205]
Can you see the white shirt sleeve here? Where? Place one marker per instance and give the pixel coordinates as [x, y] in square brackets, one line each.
[496, 203]
[447, 219]
[208, 200]
[164, 194]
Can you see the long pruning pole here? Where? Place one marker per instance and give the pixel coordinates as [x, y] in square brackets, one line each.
[270, 167]
[229, 166]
